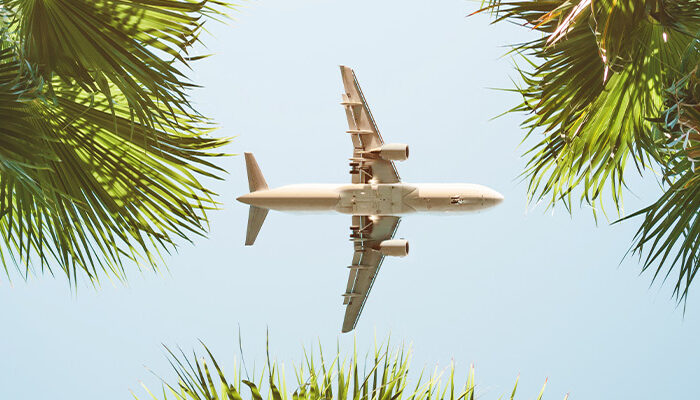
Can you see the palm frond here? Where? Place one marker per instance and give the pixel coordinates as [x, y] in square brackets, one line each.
[600, 74]
[85, 182]
[22, 144]
[131, 44]
[672, 223]
[386, 377]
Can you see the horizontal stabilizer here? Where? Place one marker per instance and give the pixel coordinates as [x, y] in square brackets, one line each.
[256, 181]
[256, 217]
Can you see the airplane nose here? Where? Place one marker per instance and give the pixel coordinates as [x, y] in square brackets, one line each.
[498, 198]
[495, 198]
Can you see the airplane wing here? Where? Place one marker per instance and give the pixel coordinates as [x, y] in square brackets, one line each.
[365, 135]
[367, 233]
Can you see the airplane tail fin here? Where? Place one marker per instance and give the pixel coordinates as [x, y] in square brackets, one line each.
[256, 215]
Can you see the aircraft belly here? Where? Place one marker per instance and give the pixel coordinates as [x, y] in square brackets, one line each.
[377, 199]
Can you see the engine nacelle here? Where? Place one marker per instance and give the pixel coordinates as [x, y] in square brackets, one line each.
[395, 248]
[392, 151]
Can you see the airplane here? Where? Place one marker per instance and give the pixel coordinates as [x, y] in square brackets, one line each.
[376, 198]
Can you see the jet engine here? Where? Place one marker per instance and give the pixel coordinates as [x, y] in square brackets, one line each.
[392, 151]
[396, 247]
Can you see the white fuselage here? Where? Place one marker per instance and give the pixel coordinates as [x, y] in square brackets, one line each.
[376, 199]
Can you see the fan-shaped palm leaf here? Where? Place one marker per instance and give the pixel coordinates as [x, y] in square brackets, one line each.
[97, 43]
[101, 152]
[599, 82]
[600, 72]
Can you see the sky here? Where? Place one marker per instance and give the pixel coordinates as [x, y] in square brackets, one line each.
[516, 290]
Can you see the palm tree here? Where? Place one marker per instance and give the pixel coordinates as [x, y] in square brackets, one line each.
[101, 151]
[385, 377]
[609, 82]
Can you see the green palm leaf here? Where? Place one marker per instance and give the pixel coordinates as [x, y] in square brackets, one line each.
[672, 223]
[100, 163]
[598, 77]
[195, 380]
[93, 44]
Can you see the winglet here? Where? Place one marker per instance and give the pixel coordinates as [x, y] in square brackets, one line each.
[256, 181]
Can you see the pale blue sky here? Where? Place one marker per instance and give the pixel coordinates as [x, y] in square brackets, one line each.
[512, 290]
